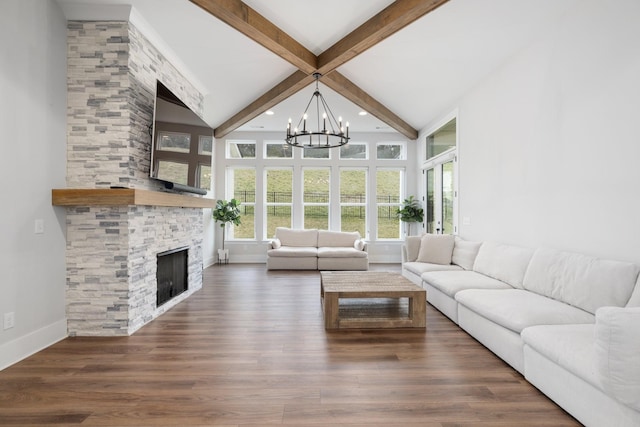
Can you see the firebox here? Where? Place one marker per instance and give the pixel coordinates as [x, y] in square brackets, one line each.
[172, 274]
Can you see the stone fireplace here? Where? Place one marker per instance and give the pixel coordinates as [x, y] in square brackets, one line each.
[112, 248]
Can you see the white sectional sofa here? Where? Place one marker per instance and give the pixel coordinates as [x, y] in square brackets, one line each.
[312, 249]
[568, 322]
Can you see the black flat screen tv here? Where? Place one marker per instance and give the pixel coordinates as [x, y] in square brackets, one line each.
[181, 145]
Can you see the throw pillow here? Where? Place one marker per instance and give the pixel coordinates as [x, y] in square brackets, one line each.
[275, 243]
[359, 244]
[436, 249]
[464, 253]
[412, 244]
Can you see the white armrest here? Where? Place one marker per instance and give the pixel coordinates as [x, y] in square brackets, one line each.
[617, 346]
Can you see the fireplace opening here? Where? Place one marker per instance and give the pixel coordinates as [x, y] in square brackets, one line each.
[172, 274]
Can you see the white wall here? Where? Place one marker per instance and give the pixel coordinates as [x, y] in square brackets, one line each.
[550, 142]
[33, 123]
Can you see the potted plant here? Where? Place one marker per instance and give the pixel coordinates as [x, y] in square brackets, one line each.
[410, 212]
[226, 212]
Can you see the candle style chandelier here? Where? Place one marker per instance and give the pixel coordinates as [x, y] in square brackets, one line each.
[329, 132]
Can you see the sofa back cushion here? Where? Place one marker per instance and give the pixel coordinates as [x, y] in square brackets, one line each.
[337, 238]
[412, 244]
[503, 262]
[436, 249]
[582, 281]
[465, 252]
[299, 238]
[634, 301]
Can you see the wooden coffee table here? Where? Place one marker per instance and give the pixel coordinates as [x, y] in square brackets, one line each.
[335, 285]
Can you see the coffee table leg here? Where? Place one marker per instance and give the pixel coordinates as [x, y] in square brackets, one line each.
[331, 320]
[418, 311]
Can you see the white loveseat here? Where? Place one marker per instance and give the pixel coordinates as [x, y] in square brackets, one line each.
[312, 249]
[568, 322]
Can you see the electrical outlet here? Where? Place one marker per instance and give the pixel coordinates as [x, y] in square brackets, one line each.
[9, 320]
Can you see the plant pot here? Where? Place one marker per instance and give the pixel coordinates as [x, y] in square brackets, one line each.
[223, 256]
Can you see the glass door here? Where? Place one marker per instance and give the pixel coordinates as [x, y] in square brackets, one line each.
[441, 198]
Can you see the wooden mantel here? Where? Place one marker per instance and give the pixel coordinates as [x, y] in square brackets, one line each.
[125, 197]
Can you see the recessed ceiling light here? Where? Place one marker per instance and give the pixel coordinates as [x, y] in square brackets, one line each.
[362, 113]
[269, 113]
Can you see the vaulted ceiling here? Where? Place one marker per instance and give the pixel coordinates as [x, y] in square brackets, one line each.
[405, 62]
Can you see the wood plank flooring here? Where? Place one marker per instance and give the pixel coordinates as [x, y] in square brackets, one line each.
[250, 349]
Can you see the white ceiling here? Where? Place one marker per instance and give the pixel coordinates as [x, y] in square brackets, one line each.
[418, 73]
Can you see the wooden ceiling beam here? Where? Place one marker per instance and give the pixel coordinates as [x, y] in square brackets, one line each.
[255, 26]
[353, 93]
[393, 18]
[289, 86]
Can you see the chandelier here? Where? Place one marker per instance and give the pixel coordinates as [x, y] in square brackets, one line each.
[329, 132]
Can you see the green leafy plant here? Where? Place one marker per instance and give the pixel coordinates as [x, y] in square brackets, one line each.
[226, 212]
[411, 211]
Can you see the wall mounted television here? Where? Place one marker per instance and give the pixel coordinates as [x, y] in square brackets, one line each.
[181, 145]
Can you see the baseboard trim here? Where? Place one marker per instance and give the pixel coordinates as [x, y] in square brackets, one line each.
[23, 347]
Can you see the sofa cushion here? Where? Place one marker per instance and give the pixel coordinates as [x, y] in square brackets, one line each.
[340, 252]
[359, 245]
[580, 280]
[465, 252]
[422, 267]
[276, 243]
[452, 282]
[503, 262]
[337, 238]
[298, 238]
[412, 243]
[516, 309]
[617, 350]
[570, 346]
[293, 252]
[436, 248]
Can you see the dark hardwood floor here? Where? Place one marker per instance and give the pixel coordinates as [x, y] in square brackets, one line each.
[250, 349]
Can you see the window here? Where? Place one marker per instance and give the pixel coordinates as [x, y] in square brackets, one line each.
[391, 151]
[389, 184]
[440, 177]
[353, 200]
[241, 149]
[354, 150]
[241, 185]
[278, 199]
[441, 140]
[316, 153]
[183, 154]
[277, 150]
[315, 195]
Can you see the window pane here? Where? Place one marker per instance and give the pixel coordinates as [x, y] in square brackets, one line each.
[388, 192]
[173, 171]
[447, 198]
[316, 217]
[353, 151]
[205, 145]
[316, 153]
[441, 140]
[173, 141]
[241, 149]
[277, 216]
[430, 211]
[279, 185]
[388, 222]
[205, 177]
[353, 218]
[316, 186]
[243, 183]
[278, 150]
[390, 151]
[353, 186]
[246, 229]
